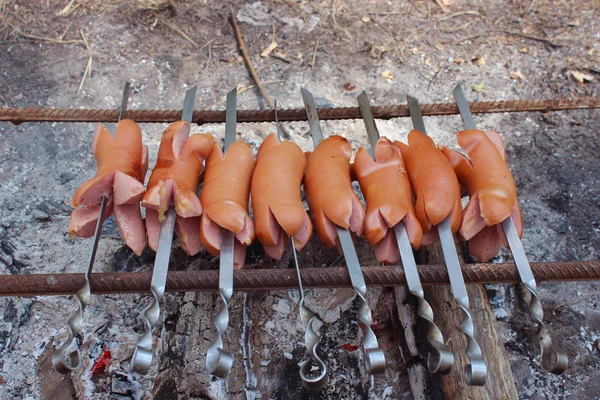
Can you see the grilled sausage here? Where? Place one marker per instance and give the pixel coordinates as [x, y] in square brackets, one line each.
[225, 199]
[329, 192]
[434, 183]
[174, 181]
[276, 197]
[122, 165]
[487, 180]
[386, 187]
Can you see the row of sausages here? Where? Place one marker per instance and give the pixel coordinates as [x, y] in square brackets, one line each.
[419, 184]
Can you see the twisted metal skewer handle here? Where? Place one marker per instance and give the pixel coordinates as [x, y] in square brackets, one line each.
[374, 355]
[142, 356]
[476, 371]
[218, 360]
[440, 359]
[313, 371]
[551, 360]
[62, 363]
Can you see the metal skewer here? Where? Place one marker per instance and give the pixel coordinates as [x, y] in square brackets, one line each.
[218, 360]
[440, 360]
[551, 360]
[374, 355]
[144, 349]
[476, 371]
[61, 363]
[311, 379]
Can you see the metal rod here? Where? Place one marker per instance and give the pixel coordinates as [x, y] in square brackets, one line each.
[440, 359]
[374, 355]
[20, 115]
[218, 360]
[476, 369]
[144, 349]
[61, 363]
[551, 360]
[312, 378]
[251, 280]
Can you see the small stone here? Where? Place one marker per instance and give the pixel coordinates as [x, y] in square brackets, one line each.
[39, 215]
[287, 355]
[562, 228]
[282, 307]
[516, 75]
[387, 74]
[270, 325]
[66, 177]
[479, 61]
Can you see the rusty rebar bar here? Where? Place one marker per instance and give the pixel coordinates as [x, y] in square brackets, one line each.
[283, 279]
[20, 115]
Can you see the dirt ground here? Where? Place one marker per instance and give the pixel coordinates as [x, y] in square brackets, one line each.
[497, 50]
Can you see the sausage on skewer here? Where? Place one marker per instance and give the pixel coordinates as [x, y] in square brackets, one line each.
[386, 187]
[225, 199]
[122, 165]
[276, 197]
[487, 180]
[435, 185]
[329, 192]
[174, 181]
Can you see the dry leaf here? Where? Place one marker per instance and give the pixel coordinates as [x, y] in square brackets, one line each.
[414, 50]
[387, 74]
[478, 87]
[366, 19]
[516, 75]
[265, 53]
[479, 61]
[459, 61]
[524, 50]
[580, 76]
[439, 46]
[427, 61]
[575, 22]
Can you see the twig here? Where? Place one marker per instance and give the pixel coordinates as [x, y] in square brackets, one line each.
[530, 7]
[242, 48]
[469, 12]
[255, 78]
[88, 67]
[47, 39]
[442, 6]
[312, 65]
[468, 38]
[539, 39]
[280, 56]
[434, 76]
[65, 12]
[179, 31]
[573, 303]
